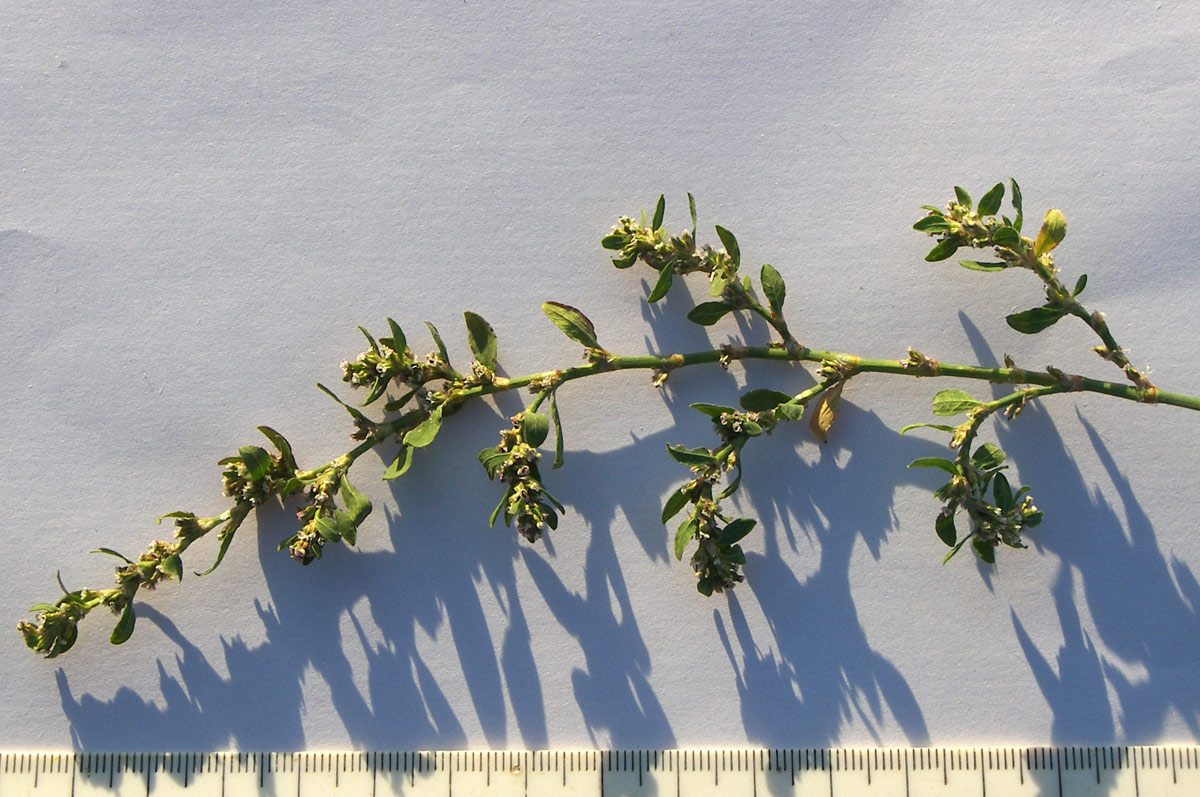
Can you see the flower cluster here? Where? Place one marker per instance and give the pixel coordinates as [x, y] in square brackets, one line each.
[514, 462]
[657, 249]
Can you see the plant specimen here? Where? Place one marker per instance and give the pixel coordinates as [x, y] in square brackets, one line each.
[418, 394]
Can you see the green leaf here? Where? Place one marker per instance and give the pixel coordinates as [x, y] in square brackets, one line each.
[944, 526]
[400, 464]
[558, 431]
[256, 460]
[943, 250]
[41, 607]
[731, 488]
[773, 287]
[354, 413]
[714, 411]
[751, 429]
[988, 456]
[1017, 204]
[736, 530]
[1054, 229]
[941, 427]
[659, 211]
[285, 448]
[327, 527]
[371, 340]
[763, 400]
[661, 285]
[345, 526]
[953, 402]
[985, 551]
[492, 459]
[397, 343]
[730, 243]
[1002, 492]
[708, 313]
[438, 342]
[1034, 320]
[692, 211]
[683, 536]
[975, 265]
[481, 338]
[357, 505]
[678, 500]
[378, 388]
[226, 536]
[789, 412]
[1006, 236]
[423, 434]
[935, 462]
[111, 552]
[534, 428]
[933, 225]
[691, 456]
[614, 241]
[574, 324]
[963, 197]
[625, 262]
[705, 587]
[124, 627]
[1080, 284]
[172, 566]
[989, 203]
[500, 506]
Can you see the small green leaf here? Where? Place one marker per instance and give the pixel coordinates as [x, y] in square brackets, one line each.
[932, 225]
[327, 527]
[357, 505]
[691, 456]
[963, 197]
[400, 464]
[975, 265]
[953, 402]
[773, 287]
[692, 211]
[534, 428]
[345, 526]
[111, 552]
[378, 388]
[41, 607]
[736, 530]
[614, 241]
[438, 342]
[503, 505]
[625, 262]
[730, 243]
[172, 566]
[1002, 492]
[558, 431]
[989, 203]
[661, 285]
[226, 535]
[683, 536]
[713, 411]
[482, 339]
[1006, 236]
[1017, 204]
[1034, 320]
[124, 627]
[944, 526]
[944, 250]
[935, 462]
[941, 427]
[256, 460]
[789, 412]
[988, 456]
[574, 324]
[751, 429]
[371, 340]
[354, 413]
[763, 400]
[659, 211]
[985, 551]
[1054, 229]
[397, 343]
[705, 587]
[732, 487]
[423, 434]
[678, 500]
[1080, 284]
[281, 443]
[708, 313]
[492, 460]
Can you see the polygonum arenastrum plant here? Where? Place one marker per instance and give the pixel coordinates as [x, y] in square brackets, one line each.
[418, 394]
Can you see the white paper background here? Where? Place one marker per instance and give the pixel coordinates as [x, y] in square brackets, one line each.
[202, 199]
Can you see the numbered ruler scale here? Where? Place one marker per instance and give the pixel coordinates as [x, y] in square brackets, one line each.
[905, 772]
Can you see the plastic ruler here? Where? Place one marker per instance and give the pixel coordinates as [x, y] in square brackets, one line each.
[897, 772]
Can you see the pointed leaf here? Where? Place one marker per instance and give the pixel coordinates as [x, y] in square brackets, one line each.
[984, 551]
[714, 411]
[281, 443]
[732, 487]
[736, 530]
[659, 211]
[400, 464]
[939, 426]
[111, 552]
[256, 460]
[438, 342]
[172, 566]
[989, 203]
[1054, 229]
[763, 400]
[944, 526]
[423, 434]
[354, 413]
[358, 506]
[962, 196]
[730, 243]
[558, 431]
[574, 324]
[773, 287]
[371, 340]
[661, 285]
[975, 265]
[226, 536]
[1002, 492]
[691, 456]
[825, 412]
[683, 536]
[935, 462]
[692, 211]
[953, 402]
[626, 261]
[934, 224]
[327, 527]
[1034, 320]
[943, 250]
[1017, 204]
[397, 343]
[481, 338]
[124, 627]
[1080, 284]
[678, 500]
[708, 313]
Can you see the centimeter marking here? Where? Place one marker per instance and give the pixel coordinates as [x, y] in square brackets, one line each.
[895, 772]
